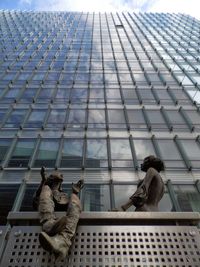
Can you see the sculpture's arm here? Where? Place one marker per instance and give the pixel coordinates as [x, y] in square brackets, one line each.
[38, 191]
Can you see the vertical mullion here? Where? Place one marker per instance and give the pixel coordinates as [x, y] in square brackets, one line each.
[182, 152]
[156, 147]
[84, 152]
[112, 192]
[32, 159]
[135, 161]
[59, 154]
[186, 119]
[173, 196]
[169, 125]
[109, 153]
[19, 197]
[9, 152]
[148, 123]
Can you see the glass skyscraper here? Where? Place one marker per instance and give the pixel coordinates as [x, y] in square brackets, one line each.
[91, 95]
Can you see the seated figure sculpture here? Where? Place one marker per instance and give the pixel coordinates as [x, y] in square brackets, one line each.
[150, 190]
[57, 234]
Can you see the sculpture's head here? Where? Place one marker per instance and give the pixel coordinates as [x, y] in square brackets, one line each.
[55, 180]
[152, 162]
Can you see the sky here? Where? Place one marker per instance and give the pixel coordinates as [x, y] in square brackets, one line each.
[190, 7]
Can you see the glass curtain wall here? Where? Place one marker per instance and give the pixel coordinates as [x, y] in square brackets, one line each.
[92, 94]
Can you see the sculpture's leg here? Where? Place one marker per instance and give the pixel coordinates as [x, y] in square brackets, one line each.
[46, 205]
[61, 242]
[73, 214]
[127, 205]
[50, 224]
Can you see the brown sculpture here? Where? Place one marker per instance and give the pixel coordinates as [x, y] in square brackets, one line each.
[151, 189]
[56, 236]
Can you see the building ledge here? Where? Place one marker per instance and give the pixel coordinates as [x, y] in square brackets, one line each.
[115, 218]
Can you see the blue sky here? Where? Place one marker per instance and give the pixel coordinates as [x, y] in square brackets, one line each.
[190, 7]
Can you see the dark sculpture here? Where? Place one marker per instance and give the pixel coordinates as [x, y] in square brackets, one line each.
[151, 189]
[57, 234]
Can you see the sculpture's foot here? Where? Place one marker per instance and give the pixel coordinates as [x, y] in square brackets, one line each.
[53, 227]
[123, 208]
[54, 244]
[76, 188]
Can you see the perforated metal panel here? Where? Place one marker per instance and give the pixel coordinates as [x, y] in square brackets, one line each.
[110, 246]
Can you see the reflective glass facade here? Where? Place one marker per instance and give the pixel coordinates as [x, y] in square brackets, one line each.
[93, 94]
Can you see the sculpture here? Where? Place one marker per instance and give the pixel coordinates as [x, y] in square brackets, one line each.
[56, 236]
[151, 189]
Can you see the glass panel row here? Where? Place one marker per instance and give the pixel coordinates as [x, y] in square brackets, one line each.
[141, 119]
[96, 153]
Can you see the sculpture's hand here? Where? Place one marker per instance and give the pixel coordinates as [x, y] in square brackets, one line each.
[43, 174]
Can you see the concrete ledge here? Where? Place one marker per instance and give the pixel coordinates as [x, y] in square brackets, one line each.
[115, 218]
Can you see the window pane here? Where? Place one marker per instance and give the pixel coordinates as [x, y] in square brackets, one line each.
[36, 118]
[130, 94]
[170, 154]
[96, 155]
[181, 96]
[176, 120]
[156, 119]
[113, 94]
[146, 96]
[96, 118]
[194, 116]
[76, 117]
[165, 204]
[4, 146]
[78, 94]
[96, 94]
[188, 197]
[27, 202]
[96, 198]
[136, 119]
[192, 150]
[121, 153]
[72, 153]
[62, 94]
[12, 93]
[2, 114]
[116, 119]
[116, 116]
[7, 198]
[164, 97]
[57, 116]
[143, 148]
[47, 154]
[45, 94]
[15, 119]
[21, 154]
[122, 193]
[29, 94]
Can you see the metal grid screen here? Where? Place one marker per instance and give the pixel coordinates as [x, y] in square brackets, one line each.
[110, 246]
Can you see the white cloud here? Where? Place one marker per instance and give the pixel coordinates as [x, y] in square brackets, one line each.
[92, 5]
[25, 2]
[190, 7]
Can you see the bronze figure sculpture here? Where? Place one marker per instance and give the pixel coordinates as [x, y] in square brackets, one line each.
[57, 234]
[151, 189]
